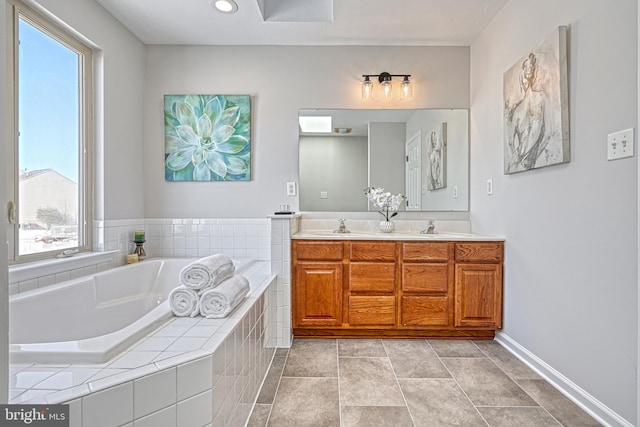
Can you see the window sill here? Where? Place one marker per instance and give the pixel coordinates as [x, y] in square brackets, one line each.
[32, 270]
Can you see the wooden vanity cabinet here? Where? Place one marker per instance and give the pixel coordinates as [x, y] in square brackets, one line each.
[317, 294]
[374, 288]
[478, 300]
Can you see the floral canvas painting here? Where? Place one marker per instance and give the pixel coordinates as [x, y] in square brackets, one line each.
[207, 137]
[536, 107]
[437, 158]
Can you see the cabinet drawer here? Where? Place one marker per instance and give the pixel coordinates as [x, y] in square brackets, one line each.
[425, 277]
[420, 251]
[370, 311]
[425, 311]
[318, 250]
[490, 252]
[372, 251]
[372, 277]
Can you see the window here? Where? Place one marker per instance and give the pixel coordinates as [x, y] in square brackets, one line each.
[50, 169]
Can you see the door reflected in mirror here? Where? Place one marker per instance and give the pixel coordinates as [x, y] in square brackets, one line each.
[423, 154]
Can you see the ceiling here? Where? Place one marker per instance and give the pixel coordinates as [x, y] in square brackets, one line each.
[307, 22]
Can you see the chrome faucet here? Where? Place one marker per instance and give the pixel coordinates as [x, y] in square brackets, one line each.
[431, 228]
[342, 228]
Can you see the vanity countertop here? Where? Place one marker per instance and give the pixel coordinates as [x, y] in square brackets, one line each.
[395, 235]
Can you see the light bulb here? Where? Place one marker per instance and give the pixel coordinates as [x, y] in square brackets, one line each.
[386, 90]
[405, 89]
[367, 89]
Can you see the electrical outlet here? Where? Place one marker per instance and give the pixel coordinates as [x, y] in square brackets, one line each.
[291, 188]
[620, 144]
[489, 187]
[324, 195]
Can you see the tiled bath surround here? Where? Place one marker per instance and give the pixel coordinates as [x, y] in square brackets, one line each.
[209, 371]
[227, 398]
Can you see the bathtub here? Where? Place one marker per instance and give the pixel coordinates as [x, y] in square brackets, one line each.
[93, 318]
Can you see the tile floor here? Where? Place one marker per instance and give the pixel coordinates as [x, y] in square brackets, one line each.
[374, 383]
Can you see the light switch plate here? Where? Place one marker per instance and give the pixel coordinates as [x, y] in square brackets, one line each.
[620, 144]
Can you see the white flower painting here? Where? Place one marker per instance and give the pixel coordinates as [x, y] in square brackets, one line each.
[536, 111]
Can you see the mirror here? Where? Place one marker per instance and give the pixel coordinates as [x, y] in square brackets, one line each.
[423, 154]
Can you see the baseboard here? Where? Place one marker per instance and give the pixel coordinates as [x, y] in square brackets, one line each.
[580, 397]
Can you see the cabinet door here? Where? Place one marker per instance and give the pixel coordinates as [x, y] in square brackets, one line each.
[478, 292]
[318, 294]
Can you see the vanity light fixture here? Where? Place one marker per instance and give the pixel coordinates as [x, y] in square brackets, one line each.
[225, 6]
[385, 84]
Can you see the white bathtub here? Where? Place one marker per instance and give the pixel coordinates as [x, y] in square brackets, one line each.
[93, 318]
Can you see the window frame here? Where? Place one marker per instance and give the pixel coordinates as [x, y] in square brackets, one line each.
[64, 36]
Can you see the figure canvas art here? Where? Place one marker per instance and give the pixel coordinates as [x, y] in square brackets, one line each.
[437, 158]
[536, 107]
[207, 137]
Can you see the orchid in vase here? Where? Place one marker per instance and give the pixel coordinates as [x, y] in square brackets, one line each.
[386, 202]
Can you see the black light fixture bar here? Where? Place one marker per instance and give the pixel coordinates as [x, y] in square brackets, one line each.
[384, 76]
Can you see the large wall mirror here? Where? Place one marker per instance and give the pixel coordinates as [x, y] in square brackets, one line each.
[423, 154]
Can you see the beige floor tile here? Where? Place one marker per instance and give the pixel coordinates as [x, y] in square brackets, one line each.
[378, 416]
[439, 402]
[259, 416]
[360, 348]
[486, 384]
[271, 381]
[345, 383]
[414, 359]
[506, 361]
[456, 348]
[306, 402]
[368, 382]
[312, 358]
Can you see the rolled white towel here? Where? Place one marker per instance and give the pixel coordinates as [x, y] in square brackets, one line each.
[218, 302]
[184, 302]
[207, 272]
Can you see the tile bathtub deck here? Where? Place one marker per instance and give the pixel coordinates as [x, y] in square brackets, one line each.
[180, 340]
[329, 382]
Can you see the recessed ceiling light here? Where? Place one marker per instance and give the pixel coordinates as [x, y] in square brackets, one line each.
[226, 6]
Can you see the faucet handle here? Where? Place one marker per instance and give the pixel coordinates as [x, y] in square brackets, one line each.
[342, 228]
[430, 229]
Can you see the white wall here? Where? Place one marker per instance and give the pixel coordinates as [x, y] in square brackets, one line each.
[120, 82]
[571, 230]
[280, 80]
